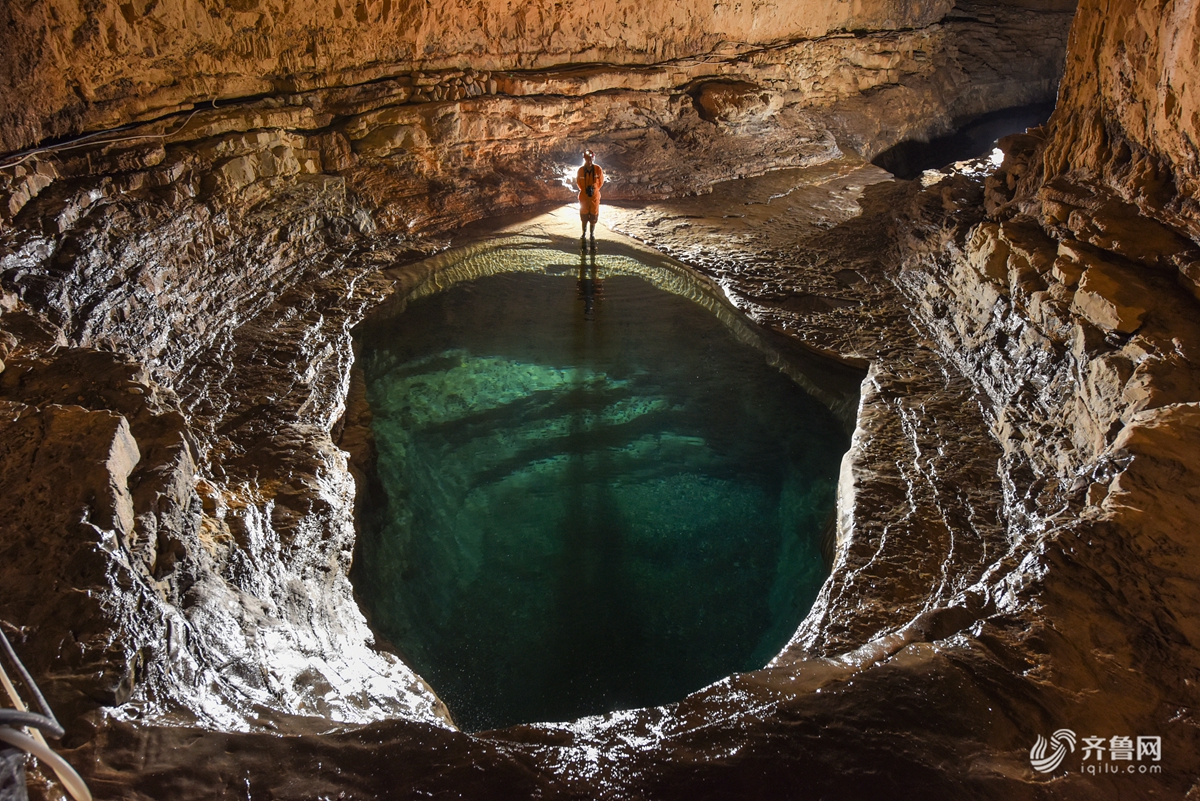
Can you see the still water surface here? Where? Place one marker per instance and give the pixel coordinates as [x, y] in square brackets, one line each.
[589, 494]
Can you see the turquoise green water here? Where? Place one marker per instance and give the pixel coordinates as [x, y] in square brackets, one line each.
[588, 497]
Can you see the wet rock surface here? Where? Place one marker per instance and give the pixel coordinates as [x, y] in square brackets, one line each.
[1016, 548]
[970, 586]
[1004, 622]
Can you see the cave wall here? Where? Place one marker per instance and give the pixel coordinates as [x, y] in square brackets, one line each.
[1072, 307]
[196, 276]
[1129, 110]
[99, 229]
[1117, 168]
[72, 66]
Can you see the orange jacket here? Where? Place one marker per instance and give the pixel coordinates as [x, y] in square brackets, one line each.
[591, 176]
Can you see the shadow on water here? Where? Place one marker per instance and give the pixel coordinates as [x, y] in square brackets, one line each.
[590, 286]
[835, 384]
[974, 139]
[588, 494]
[596, 626]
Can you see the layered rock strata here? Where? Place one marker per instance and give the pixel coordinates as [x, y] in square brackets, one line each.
[1015, 553]
[502, 137]
[72, 68]
[220, 255]
[1006, 565]
[1118, 167]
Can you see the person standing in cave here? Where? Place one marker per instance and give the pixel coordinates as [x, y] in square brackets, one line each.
[589, 179]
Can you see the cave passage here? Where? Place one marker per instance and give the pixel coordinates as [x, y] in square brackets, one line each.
[588, 495]
[974, 139]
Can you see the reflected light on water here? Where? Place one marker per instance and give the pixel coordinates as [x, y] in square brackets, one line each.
[585, 500]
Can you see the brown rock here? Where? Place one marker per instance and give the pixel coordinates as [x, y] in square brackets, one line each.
[923, 451]
[1051, 313]
[71, 68]
[1163, 443]
[733, 101]
[1112, 298]
[988, 253]
[1101, 394]
[1189, 277]
[1073, 258]
[1067, 271]
[1118, 228]
[336, 153]
[1127, 120]
[1029, 242]
[72, 460]
[1161, 380]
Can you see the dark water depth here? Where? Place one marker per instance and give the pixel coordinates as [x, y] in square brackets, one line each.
[588, 497]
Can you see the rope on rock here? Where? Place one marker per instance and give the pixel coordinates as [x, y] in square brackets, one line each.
[35, 743]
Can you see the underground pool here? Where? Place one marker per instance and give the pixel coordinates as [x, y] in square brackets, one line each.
[594, 486]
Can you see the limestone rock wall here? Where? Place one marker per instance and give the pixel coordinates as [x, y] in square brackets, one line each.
[186, 557]
[1123, 142]
[137, 237]
[69, 67]
[1086, 360]
[195, 276]
[1128, 121]
[1015, 554]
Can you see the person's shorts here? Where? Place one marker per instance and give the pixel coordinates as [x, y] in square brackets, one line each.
[587, 216]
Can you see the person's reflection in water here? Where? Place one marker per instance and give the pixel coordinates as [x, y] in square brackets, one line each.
[590, 286]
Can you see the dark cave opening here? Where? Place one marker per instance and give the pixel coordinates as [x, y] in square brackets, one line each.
[973, 139]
